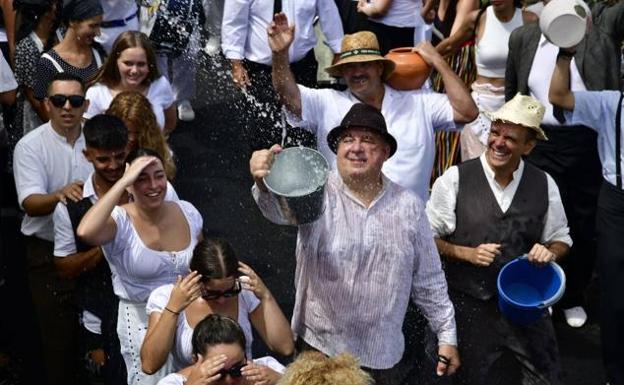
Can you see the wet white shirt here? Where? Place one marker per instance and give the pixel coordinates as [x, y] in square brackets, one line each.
[245, 22]
[45, 162]
[441, 206]
[597, 109]
[137, 269]
[182, 350]
[357, 268]
[412, 117]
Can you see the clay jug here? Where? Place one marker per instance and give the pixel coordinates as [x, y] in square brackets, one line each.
[411, 70]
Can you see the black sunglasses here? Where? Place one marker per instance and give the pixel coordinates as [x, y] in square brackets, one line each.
[59, 100]
[214, 294]
[233, 371]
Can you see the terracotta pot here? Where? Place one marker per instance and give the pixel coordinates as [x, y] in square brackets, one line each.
[411, 70]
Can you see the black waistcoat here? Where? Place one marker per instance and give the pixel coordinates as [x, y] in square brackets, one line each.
[480, 220]
[94, 288]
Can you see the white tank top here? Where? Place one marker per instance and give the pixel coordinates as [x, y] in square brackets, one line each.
[492, 49]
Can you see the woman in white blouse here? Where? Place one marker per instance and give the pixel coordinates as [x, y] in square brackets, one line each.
[215, 286]
[147, 242]
[132, 66]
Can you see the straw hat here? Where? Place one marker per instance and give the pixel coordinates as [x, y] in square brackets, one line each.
[358, 48]
[522, 110]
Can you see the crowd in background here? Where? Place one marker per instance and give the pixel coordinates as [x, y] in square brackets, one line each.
[118, 265]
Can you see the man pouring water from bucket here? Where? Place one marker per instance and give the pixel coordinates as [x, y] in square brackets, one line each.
[368, 251]
[484, 213]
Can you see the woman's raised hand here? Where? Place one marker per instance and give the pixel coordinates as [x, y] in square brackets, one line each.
[206, 371]
[135, 168]
[260, 374]
[185, 291]
[251, 281]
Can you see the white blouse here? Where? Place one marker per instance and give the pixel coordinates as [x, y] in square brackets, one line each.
[137, 269]
[159, 93]
[183, 350]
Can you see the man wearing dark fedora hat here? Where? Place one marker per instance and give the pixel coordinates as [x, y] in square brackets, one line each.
[371, 250]
[412, 116]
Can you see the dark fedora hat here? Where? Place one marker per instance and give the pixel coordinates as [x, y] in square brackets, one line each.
[362, 116]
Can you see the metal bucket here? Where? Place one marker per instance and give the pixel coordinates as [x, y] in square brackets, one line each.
[297, 178]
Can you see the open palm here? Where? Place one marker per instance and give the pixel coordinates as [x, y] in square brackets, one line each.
[280, 34]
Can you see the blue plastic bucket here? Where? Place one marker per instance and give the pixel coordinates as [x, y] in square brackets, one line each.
[526, 290]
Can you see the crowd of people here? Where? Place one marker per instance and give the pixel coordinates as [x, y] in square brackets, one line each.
[431, 191]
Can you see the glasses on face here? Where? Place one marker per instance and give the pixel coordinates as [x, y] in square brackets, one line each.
[59, 100]
[215, 294]
[233, 371]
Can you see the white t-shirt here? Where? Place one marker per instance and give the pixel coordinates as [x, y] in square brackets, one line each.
[183, 350]
[412, 117]
[402, 13]
[137, 269]
[159, 93]
[43, 163]
[7, 79]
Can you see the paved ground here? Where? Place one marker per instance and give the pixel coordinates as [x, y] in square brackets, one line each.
[213, 174]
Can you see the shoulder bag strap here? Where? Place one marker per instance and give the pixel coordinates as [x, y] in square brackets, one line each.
[54, 62]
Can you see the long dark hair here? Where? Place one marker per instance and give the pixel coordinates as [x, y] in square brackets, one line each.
[28, 17]
[214, 330]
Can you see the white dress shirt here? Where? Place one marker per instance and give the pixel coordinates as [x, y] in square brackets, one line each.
[541, 73]
[412, 117]
[597, 109]
[245, 23]
[356, 269]
[441, 206]
[45, 162]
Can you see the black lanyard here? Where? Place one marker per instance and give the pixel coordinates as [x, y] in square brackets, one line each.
[277, 6]
[618, 139]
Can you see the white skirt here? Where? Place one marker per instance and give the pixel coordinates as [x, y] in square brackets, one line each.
[131, 328]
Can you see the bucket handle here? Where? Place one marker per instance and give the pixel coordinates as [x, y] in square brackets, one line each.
[559, 292]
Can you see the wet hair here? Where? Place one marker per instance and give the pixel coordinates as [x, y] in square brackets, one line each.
[139, 152]
[105, 132]
[29, 15]
[66, 77]
[109, 73]
[214, 258]
[315, 368]
[136, 111]
[216, 329]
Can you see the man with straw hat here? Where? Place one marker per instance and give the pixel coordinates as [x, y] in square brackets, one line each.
[412, 116]
[365, 257]
[484, 213]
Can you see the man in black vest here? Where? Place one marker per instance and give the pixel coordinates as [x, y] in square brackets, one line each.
[484, 213]
[106, 138]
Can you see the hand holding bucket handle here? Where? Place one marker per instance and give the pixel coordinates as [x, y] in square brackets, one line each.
[541, 255]
[260, 164]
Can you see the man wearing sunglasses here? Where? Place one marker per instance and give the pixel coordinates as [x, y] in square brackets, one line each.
[49, 167]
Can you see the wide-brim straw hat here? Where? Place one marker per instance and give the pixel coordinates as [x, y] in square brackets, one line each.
[358, 48]
[523, 110]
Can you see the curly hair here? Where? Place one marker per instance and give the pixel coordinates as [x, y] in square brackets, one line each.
[136, 112]
[109, 73]
[315, 368]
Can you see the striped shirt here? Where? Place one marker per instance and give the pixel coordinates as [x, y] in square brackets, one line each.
[356, 269]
